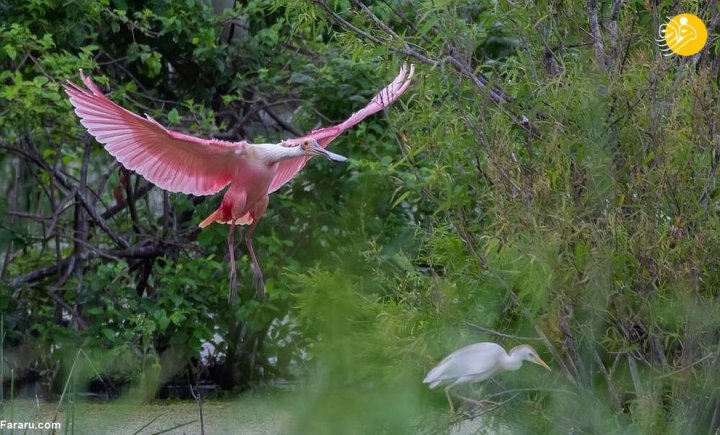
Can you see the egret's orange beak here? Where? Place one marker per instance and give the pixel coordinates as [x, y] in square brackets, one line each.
[541, 363]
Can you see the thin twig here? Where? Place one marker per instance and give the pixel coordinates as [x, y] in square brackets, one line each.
[67, 383]
[199, 401]
[500, 334]
[178, 426]
[153, 420]
[689, 366]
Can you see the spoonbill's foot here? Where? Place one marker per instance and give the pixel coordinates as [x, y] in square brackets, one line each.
[259, 285]
[232, 297]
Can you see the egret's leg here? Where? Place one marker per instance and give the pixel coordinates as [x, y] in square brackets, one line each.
[233, 270]
[478, 403]
[447, 394]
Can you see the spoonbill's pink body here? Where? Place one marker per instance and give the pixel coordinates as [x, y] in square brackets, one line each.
[181, 163]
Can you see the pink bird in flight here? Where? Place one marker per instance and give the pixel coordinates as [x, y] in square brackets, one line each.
[181, 163]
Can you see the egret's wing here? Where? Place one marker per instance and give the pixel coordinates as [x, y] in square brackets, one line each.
[173, 161]
[288, 168]
[476, 360]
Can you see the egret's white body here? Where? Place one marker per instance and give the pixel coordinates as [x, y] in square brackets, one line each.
[478, 362]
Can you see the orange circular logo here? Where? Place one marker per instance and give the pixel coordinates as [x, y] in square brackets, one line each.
[684, 35]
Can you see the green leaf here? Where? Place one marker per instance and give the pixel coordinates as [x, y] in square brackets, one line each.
[11, 52]
[109, 333]
[173, 116]
[162, 320]
[95, 311]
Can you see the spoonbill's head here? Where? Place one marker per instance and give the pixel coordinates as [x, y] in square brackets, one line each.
[313, 148]
[525, 352]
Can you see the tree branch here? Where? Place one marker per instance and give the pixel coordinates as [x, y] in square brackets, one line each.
[595, 32]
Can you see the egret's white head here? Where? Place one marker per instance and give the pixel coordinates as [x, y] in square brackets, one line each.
[526, 353]
[313, 148]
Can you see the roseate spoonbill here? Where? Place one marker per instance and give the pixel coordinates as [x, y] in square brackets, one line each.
[181, 163]
[478, 362]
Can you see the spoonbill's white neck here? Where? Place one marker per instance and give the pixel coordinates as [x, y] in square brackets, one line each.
[271, 152]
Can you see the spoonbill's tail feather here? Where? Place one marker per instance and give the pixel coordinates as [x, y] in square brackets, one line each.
[217, 218]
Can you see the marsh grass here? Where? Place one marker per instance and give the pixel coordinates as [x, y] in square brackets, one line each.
[251, 414]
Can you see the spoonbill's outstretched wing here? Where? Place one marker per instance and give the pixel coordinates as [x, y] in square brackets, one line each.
[173, 161]
[288, 168]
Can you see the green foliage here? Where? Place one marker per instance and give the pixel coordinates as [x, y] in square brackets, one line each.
[363, 378]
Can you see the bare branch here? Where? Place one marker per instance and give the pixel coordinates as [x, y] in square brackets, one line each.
[151, 249]
[595, 32]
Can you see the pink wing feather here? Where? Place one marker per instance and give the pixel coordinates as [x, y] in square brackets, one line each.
[173, 161]
[288, 168]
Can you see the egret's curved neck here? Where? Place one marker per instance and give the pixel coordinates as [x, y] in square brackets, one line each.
[271, 153]
[512, 362]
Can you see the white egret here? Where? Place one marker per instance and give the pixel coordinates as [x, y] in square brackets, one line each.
[478, 362]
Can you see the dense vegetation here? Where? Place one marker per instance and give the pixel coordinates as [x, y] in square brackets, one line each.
[549, 178]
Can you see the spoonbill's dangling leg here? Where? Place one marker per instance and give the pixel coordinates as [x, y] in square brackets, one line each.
[257, 273]
[233, 270]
